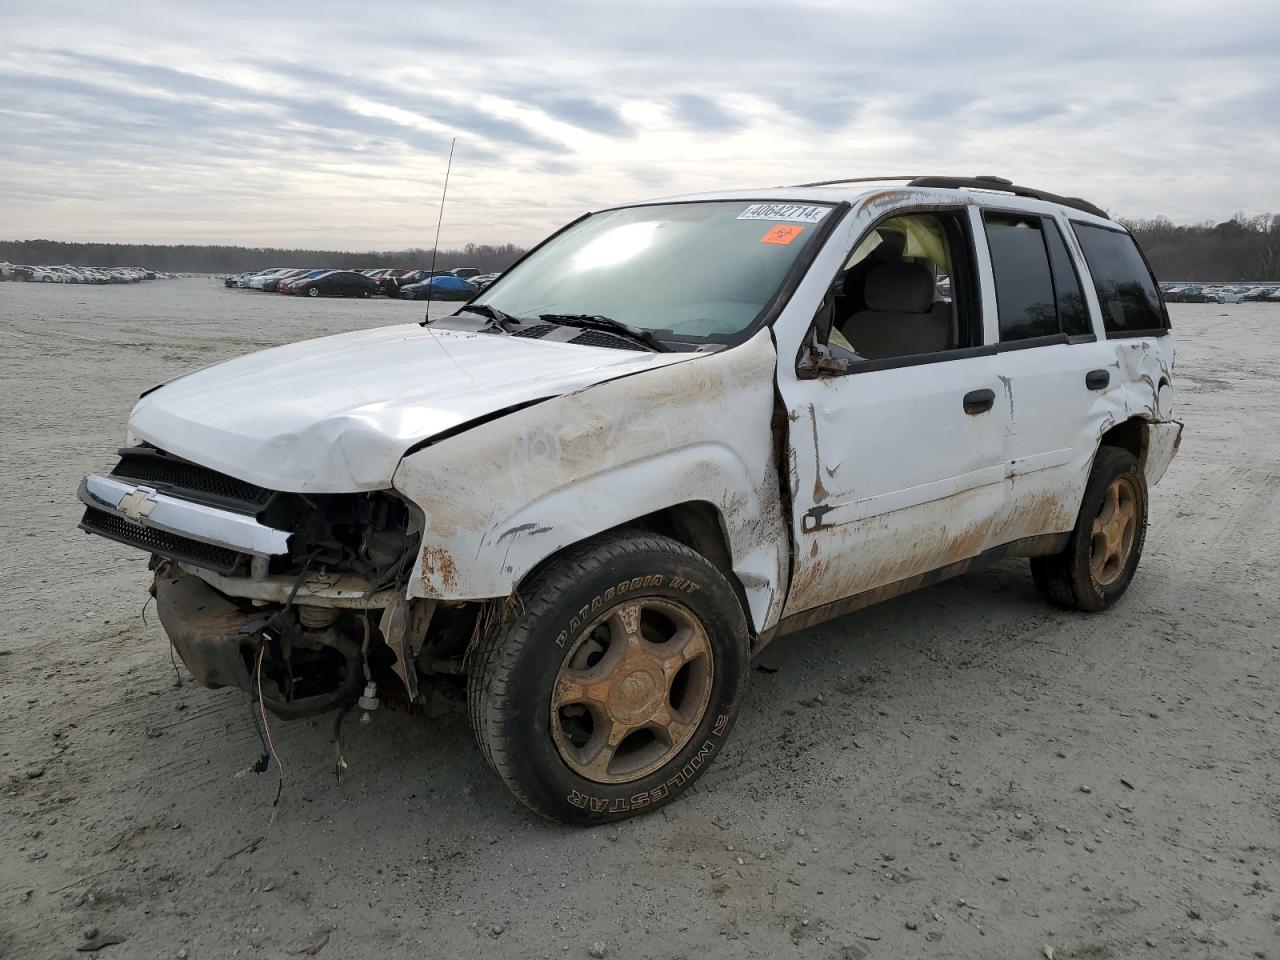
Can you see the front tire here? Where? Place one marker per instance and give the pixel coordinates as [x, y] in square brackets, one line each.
[313, 291]
[614, 683]
[1100, 559]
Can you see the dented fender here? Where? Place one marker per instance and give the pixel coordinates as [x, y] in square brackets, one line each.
[500, 498]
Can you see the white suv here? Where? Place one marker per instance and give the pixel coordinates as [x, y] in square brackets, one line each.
[674, 432]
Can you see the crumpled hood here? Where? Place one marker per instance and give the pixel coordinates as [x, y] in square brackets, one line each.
[335, 415]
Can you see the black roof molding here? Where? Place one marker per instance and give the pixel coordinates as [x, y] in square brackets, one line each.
[995, 184]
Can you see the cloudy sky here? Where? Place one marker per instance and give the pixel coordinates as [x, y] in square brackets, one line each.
[328, 124]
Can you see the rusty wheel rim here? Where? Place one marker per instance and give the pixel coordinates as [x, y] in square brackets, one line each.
[1113, 532]
[632, 690]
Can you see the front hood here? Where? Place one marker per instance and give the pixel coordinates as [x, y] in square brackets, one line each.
[335, 415]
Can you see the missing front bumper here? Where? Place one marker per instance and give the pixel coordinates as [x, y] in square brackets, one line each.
[296, 671]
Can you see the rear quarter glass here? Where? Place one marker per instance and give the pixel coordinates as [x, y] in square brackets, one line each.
[1127, 292]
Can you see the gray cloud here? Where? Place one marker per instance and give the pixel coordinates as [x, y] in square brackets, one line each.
[298, 117]
[703, 113]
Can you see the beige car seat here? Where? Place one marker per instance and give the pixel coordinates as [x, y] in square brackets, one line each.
[900, 318]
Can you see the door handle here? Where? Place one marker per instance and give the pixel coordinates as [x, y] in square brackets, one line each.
[1097, 379]
[979, 401]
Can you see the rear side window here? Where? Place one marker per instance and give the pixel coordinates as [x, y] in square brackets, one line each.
[1024, 285]
[1126, 290]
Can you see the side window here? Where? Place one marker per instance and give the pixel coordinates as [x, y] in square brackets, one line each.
[906, 289]
[1072, 312]
[1126, 290]
[1024, 286]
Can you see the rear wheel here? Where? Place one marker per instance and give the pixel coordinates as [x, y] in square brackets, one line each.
[615, 684]
[313, 291]
[1101, 557]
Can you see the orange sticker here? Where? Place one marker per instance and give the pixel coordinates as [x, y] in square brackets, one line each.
[782, 234]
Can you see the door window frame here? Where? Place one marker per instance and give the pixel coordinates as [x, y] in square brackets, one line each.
[1051, 339]
[973, 288]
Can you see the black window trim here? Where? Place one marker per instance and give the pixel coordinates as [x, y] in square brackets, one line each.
[1164, 307]
[961, 212]
[1091, 336]
[1052, 338]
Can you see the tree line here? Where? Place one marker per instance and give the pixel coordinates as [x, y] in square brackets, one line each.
[1242, 248]
[197, 258]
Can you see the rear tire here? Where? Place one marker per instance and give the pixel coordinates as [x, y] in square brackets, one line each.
[614, 681]
[313, 291]
[1100, 559]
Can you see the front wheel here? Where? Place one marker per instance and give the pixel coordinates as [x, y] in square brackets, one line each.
[365, 293]
[615, 682]
[313, 291]
[1101, 557]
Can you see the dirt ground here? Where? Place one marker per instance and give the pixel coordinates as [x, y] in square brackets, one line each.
[964, 772]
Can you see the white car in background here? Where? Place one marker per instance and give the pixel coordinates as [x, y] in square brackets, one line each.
[673, 433]
[258, 280]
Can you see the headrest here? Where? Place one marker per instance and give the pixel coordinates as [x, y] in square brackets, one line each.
[899, 288]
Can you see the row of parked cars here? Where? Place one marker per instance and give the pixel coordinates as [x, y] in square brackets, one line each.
[1221, 293]
[460, 283]
[68, 274]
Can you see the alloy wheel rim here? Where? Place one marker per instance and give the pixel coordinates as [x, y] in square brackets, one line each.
[632, 691]
[1113, 533]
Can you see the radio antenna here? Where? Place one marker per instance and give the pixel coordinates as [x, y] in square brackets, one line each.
[435, 247]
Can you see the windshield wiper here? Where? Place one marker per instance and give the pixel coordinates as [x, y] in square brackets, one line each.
[594, 321]
[503, 321]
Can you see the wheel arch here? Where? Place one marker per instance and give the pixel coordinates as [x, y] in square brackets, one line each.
[1128, 435]
[697, 524]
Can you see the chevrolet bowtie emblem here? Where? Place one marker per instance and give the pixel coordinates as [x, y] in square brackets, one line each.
[137, 503]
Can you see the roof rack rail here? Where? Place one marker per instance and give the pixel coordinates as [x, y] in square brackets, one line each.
[829, 183]
[1002, 185]
[998, 184]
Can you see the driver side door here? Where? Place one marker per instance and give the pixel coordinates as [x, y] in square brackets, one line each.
[896, 457]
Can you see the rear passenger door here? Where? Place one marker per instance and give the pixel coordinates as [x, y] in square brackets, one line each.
[1054, 370]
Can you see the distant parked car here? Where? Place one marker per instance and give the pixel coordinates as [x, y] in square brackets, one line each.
[337, 283]
[466, 273]
[442, 287]
[286, 285]
[483, 281]
[272, 284]
[256, 281]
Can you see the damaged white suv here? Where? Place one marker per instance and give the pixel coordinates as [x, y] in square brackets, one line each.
[672, 433]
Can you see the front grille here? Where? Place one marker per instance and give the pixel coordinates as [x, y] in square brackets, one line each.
[161, 542]
[599, 338]
[190, 481]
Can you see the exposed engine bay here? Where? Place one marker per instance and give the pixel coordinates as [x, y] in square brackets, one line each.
[296, 598]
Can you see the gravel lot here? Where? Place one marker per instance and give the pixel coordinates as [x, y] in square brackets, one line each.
[964, 772]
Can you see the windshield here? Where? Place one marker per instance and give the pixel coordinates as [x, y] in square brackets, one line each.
[693, 270]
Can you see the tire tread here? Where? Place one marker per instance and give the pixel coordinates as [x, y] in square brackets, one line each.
[492, 659]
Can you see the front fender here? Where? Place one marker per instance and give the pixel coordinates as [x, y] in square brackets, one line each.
[502, 497]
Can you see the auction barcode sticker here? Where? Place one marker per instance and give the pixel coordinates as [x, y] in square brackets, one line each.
[803, 212]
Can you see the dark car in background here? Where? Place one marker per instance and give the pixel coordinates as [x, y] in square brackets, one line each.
[337, 283]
